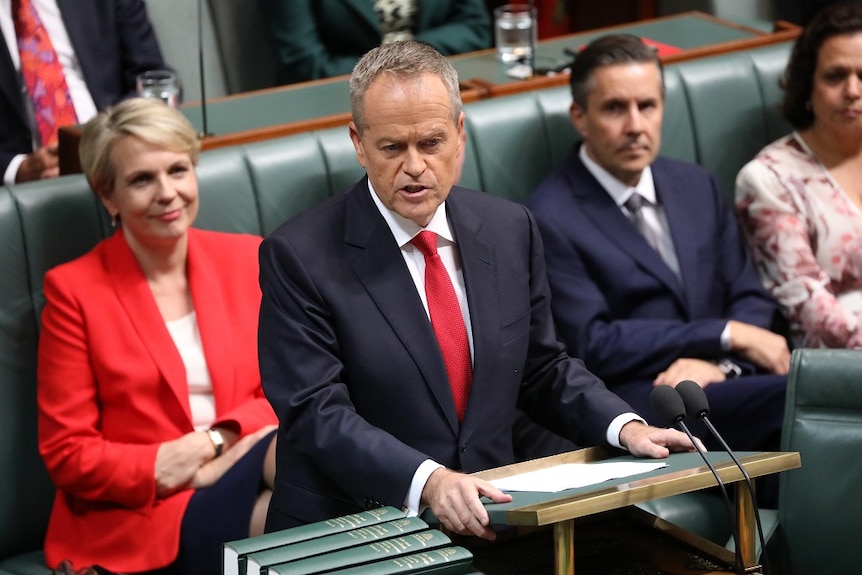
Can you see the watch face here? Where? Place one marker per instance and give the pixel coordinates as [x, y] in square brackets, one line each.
[217, 439]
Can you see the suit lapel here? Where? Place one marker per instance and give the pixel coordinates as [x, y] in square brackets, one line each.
[9, 83]
[599, 207]
[478, 265]
[137, 300]
[679, 208]
[377, 261]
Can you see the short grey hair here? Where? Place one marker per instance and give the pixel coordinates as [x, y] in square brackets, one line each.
[406, 59]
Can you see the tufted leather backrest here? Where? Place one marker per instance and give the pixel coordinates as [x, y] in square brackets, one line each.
[819, 505]
[733, 117]
[26, 493]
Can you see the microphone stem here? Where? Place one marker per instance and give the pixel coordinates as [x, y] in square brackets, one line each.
[733, 528]
[751, 492]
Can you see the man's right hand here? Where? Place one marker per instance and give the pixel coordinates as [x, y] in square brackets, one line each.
[454, 499]
[41, 164]
[760, 346]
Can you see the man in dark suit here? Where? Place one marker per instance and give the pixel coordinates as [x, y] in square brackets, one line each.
[103, 45]
[655, 295]
[348, 356]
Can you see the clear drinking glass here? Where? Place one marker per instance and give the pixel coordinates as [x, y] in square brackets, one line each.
[515, 31]
[162, 84]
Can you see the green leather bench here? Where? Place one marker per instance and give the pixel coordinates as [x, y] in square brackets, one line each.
[720, 111]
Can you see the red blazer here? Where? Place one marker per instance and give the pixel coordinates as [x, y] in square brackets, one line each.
[112, 387]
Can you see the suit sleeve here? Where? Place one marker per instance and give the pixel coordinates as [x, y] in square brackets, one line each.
[466, 28]
[305, 380]
[557, 389]
[79, 459]
[139, 48]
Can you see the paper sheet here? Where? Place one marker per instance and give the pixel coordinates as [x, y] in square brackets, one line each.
[570, 475]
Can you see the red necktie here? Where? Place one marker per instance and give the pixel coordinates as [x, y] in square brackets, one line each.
[42, 73]
[447, 321]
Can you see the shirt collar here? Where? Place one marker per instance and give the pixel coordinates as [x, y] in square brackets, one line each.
[404, 230]
[619, 191]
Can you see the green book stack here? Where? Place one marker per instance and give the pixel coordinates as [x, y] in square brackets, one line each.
[255, 562]
[235, 552]
[413, 543]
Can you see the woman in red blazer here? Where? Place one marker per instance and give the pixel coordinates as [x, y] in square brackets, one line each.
[152, 421]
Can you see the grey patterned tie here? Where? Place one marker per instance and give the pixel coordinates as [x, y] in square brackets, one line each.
[634, 207]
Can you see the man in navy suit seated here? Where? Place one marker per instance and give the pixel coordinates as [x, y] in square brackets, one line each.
[660, 288]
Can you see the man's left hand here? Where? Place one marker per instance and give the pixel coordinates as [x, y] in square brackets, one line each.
[647, 441]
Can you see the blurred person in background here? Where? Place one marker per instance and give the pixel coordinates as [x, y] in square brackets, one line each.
[321, 38]
[67, 59]
[800, 199]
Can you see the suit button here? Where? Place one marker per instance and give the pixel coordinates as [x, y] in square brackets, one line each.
[462, 448]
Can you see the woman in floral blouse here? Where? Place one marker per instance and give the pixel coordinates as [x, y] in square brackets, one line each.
[800, 199]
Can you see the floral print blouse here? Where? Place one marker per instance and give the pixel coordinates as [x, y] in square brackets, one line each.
[805, 235]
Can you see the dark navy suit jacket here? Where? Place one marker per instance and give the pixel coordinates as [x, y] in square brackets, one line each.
[620, 308]
[113, 41]
[351, 365]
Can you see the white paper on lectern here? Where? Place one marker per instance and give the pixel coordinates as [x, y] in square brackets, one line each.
[570, 475]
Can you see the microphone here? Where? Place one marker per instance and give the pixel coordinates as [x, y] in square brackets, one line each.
[697, 406]
[668, 403]
[205, 132]
[534, 30]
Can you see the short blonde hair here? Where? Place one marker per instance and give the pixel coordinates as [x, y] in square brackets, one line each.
[149, 119]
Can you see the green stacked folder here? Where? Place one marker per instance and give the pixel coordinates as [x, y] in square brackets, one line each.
[379, 542]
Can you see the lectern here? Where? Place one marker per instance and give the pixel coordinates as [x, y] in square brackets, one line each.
[685, 472]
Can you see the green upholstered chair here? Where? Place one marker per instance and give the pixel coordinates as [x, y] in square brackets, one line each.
[26, 493]
[43, 224]
[288, 178]
[511, 144]
[727, 111]
[339, 155]
[819, 509]
[227, 195]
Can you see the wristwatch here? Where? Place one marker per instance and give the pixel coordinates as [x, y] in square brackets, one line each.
[217, 439]
[728, 368]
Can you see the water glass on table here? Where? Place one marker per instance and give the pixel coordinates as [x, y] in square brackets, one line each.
[161, 84]
[515, 32]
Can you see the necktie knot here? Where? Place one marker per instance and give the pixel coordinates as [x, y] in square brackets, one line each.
[426, 242]
[635, 202]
